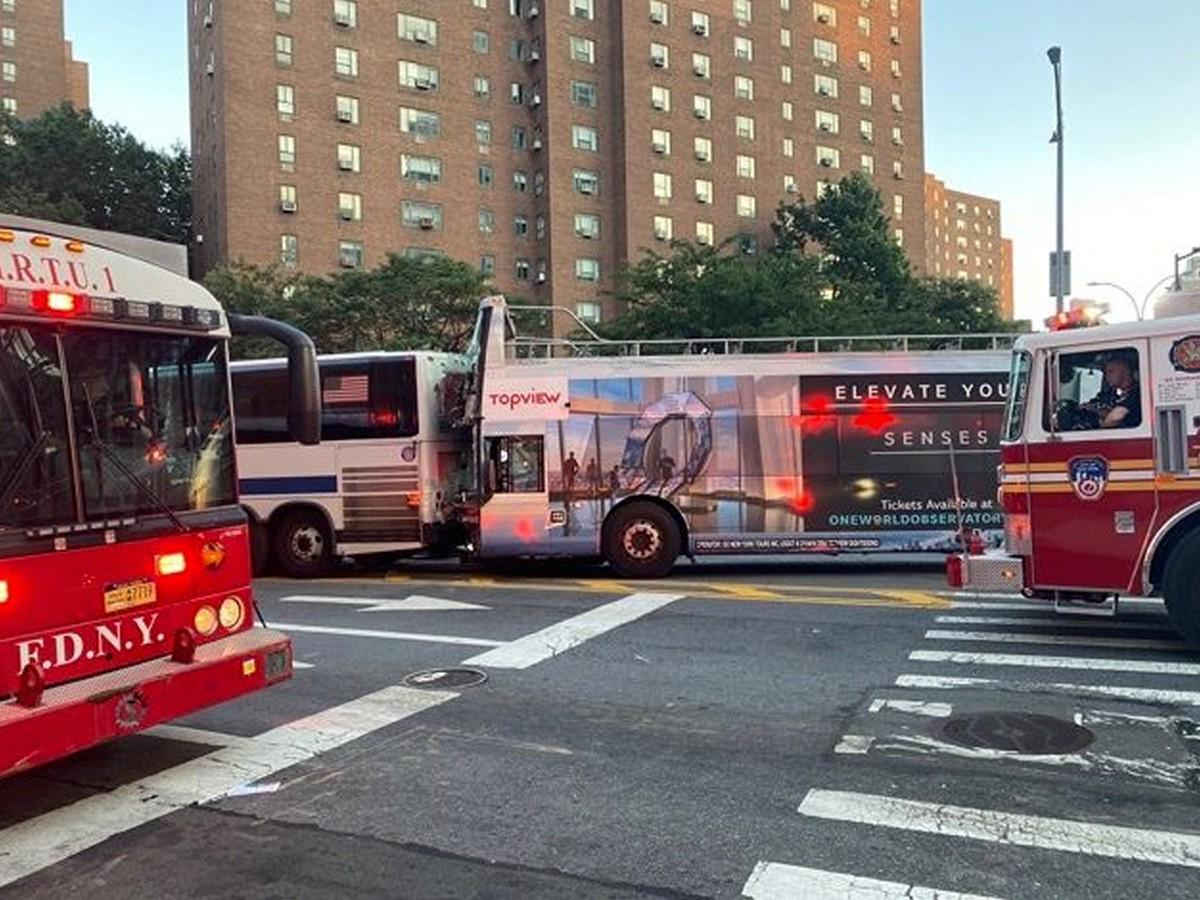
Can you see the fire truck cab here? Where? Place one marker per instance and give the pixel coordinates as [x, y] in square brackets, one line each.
[1100, 470]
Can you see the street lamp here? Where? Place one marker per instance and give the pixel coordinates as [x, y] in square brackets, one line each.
[1054, 54]
[1139, 308]
[1180, 257]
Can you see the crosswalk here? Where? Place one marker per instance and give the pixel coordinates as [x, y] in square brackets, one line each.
[1131, 683]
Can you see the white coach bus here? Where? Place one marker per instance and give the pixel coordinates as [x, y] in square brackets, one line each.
[377, 483]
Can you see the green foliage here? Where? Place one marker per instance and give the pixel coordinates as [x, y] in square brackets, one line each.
[68, 166]
[404, 304]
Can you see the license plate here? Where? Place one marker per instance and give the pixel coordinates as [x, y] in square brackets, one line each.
[129, 595]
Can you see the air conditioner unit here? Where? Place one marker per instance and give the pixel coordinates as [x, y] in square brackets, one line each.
[899, 142]
[660, 235]
[420, 37]
[534, 54]
[823, 18]
[895, 39]
[348, 261]
[826, 62]
[287, 206]
[587, 189]
[703, 241]
[208, 21]
[537, 143]
[658, 104]
[897, 107]
[659, 147]
[868, 138]
[541, 278]
[659, 62]
[699, 29]
[702, 155]
[657, 18]
[826, 162]
[701, 197]
[345, 115]
[824, 91]
[586, 235]
[341, 19]
[899, 176]
[701, 114]
[423, 84]
[534, 11]
[791, 188]
[700, 71]
[346, 165]
[826, 126]
[864, 65]
[346, 215]
[210, 69]
[426, 223]
[535, 100]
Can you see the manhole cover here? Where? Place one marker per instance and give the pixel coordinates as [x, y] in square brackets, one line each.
[1016, 732]
[445, 678]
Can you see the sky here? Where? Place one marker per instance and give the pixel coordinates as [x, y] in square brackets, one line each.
[1131, 81]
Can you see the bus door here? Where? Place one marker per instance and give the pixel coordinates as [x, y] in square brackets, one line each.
[1090, 467]
[516, 501]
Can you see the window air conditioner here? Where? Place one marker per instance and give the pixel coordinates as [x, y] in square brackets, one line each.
[699, 30]
[537, 143]
[701, 197]
[895, 39]
[345, 115]
[287, 206]
[341, 19]
[826, 162]
[659, 62]
[702, 155]
[423, 84]
[541, 278]
[824, 91]
[585, 234]
[349, 261]
[420, 37]
[535, 54]
[701, 114]
[346, 165]
[823, 18]
[657, 18]
[700, 71]
[791, 189]
[426, 223]
[208, 21]
[587, 188]
[825, 126]
[534, 11]
[210, 70]
[659, 148]
[347, 215]
[535, 100]
[658, 104]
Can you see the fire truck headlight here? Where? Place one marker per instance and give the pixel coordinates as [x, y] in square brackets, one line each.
[205, 620]
[232, 613]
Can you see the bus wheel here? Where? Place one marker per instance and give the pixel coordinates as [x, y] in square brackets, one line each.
[302, 544]
[641, 540]
[260, 548]
[1181, 587]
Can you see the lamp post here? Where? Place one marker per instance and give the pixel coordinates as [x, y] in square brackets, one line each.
[1180, 257]
[1139, 308]
[1054, 54]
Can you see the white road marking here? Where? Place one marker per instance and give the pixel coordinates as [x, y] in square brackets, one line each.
[1025, 606]
[1012, 829]
[386, 635]
[1054, 662]
[776, 881]
[1031, 603]
[562, 636]
[929, 708]
[1055, 622]
[195, 735]
[34, 844]
[1141, 695]
[1053, 640]
[413, 603]
[854, 743]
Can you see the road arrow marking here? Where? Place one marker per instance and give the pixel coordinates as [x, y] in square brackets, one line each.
[414, 603]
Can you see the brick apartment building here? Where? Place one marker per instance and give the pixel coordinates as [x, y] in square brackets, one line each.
[963, 240]
[546, 141]
[37, 67]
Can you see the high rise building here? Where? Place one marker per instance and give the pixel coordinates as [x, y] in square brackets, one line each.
[37, 67]
[546, 141]
[963, 240]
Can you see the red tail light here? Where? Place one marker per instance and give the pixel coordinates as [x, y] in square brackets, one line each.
[170, 564]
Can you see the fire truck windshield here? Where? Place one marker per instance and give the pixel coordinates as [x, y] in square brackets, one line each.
[149, 417]
[1018, 387]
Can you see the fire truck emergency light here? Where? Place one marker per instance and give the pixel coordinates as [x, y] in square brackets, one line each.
[3, 591]
[170, 564]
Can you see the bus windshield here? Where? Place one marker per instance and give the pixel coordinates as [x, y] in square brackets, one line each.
[149, 416]
[1018, 387]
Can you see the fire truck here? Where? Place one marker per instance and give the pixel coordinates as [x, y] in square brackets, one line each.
[1100, 471]
[125, 597]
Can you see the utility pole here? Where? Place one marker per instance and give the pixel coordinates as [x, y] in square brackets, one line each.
[1059, 267]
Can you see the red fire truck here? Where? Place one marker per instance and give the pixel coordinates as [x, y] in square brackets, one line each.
[125, 596]
[1100, 473]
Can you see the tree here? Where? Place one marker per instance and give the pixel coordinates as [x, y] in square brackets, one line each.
[68, 166]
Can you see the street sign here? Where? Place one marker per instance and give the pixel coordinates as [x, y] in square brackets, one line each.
[1054, 274]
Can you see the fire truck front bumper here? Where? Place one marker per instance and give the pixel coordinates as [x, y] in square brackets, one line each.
[986, 572]
[74, 716]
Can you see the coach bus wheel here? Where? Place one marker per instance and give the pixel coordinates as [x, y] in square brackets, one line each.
[1181, 587]
[260, 548]
[641, 541]
[302, 545]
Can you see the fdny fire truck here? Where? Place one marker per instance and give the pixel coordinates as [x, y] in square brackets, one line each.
[1100, 473]
[125, 596]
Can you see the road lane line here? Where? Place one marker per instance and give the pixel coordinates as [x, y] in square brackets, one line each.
[1141, 695]
[412, 603]
[777, 881]
[1055, 640]
[33, 845]
[1010, 829]
[1057, 622]
[289, 627]
[1054, 662]
[562, 636]
[930, 708]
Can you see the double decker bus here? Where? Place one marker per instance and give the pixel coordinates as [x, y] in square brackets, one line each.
[125, 594]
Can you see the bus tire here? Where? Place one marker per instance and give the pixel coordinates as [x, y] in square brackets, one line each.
[1181, 587]
[641, 540]
[302, 544]
[260, 548]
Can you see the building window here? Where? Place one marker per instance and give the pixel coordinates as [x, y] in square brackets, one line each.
[516, 50]
[516, 93]
[522, 270]
[785, 74]
[828, 157]
[868, 163]
[417, 76]
[487, 221]
[825, 86]
[742, 10]
[662, 186]
[482, 86]
[660, 141]
[704, 191]
[520, 226]
[826, 52]
[702, 149]
[659, 14]
[785, 37]
[897, 105]
[583, 9]
[539, 226]
[897, 136]
[824, 14]
[417, 29]
[520, 181]
[660, 56]
[345, 13]
[8, 71]
[487, 264]
[285, 102]
[787, 111]
[583, 50]
[8, 105]
[701, 65]
[864, 26]
[898, 173]
[788, 148]
[346, 109]
[828, 122]
[287, 198]
[866, 95]
[660, 98]
[282, 7]
[705, 233]
[520, 138]
[700, 24]
[745, 166]
[864, 60]
[587, 225]
[664, 228]
[588, 312]
[287, 152]
[419, 214]
[584, 137]
[420, 169]
[747, 206]
[583, 93]
[349, 157]
[702, 106]
[480, 4]
[866, 129]
[420, 122]
[743, 126]
[587, 269]
[283, 49]
[483, 132]
[743, 48]
[585, 181]
[289, 250]
[350, 207]
[895, 68]
[789, 184]
[345, 62]
[897, 206]
[485, 175]
[743, 87]
[350, 254]
[480, 42]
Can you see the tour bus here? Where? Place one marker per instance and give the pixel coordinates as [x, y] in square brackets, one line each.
[125, 596]
[379, 481]
[592, 448]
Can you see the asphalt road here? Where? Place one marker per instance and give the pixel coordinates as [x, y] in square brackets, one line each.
[760, 730]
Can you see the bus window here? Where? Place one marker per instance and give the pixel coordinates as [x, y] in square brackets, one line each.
[394, 398]
[516, 464]
[260, 400]
[1097, 389]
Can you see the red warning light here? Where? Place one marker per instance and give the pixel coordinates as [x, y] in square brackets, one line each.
[875, 417]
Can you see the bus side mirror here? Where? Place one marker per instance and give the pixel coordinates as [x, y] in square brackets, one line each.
[304, 378]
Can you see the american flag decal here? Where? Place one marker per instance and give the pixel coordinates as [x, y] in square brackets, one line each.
[346, 389]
